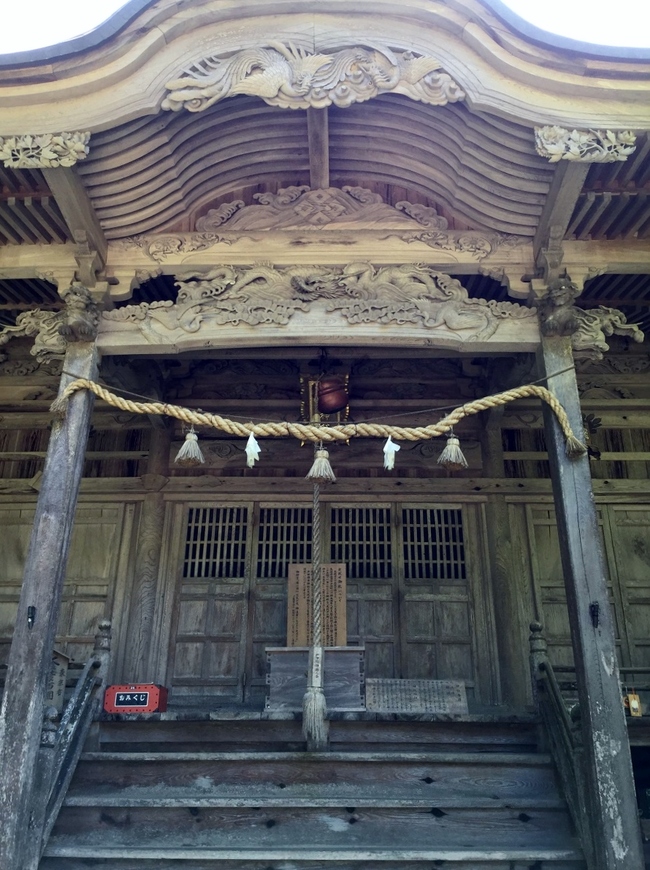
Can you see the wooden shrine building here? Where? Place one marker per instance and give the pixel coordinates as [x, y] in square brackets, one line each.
[213, 213]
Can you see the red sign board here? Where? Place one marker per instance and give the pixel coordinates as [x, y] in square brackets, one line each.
[138, 698]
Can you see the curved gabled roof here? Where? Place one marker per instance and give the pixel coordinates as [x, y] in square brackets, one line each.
[123, 77]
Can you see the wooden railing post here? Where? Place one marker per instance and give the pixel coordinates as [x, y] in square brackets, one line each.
[38, 609]
[607, 765]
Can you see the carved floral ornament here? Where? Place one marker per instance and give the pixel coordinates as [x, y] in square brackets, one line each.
[44, 151]
[302, 209]
[584, 146]
[290, 77]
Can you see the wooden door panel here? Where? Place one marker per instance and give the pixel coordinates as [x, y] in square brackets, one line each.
[90, 577]
[208, 649]
[439, 637]
[630, 530]
[548, 577]
[282, 537]
[361, 537]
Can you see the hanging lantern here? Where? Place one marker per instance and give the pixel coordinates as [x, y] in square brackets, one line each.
[452, 457]
[332, 394]
[190, 453]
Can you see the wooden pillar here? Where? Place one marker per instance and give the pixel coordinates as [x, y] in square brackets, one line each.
[138, 666]
[608, 768]
[512, 601]
[30, 656]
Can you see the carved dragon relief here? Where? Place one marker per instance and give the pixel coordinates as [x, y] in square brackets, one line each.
[53, 330]
[588, 328]
[359, 294]
[302, 209]
[290, 77]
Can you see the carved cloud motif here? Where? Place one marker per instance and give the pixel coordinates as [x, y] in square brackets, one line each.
[285, 76]
[359, 293]
[302, 208]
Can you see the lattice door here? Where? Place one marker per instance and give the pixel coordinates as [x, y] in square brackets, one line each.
[410, 592]
[208, 652]
[436, 615]
[362, 539]
[282, 537]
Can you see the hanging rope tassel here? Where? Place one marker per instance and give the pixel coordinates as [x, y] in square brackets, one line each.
[321, 470]
[315, 726]
[314, 705]
[390, 449]
[190, 453]
[452, 457]
[253, 451]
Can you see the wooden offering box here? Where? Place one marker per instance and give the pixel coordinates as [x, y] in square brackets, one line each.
[343, 677]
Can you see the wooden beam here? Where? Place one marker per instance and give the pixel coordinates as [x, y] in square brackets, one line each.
[75, 205]
[30, 656]
[138, 663]
[561, 199]
[319, 148]
[613, 811]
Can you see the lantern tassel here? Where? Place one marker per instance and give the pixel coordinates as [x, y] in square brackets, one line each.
[321, 471]
[452, 457]
[253, 450]
[190, 453]
[390, 449]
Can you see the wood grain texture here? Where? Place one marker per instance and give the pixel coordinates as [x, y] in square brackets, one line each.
[29, 658]
[616, 836]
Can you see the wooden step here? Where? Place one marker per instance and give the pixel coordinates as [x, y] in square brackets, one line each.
[300, 859]
[230, 731]
[490, 776]
[369, 829]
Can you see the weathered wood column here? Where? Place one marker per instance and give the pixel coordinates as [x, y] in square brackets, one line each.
[612, 802]
[138, 666]
[30, 656]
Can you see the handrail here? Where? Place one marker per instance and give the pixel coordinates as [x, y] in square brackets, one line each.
[562, 730]
[61, 745]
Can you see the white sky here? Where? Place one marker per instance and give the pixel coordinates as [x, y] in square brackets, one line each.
[39, 23]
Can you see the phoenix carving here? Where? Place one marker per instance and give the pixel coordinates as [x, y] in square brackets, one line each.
[289, 77]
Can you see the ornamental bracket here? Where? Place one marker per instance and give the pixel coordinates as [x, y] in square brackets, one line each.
[43, 151]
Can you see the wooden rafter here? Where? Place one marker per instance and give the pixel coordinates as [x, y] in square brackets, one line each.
[319, 148]
[77, 209]
[560, 203]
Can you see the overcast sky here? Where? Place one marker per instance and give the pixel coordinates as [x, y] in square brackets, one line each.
[38, 23]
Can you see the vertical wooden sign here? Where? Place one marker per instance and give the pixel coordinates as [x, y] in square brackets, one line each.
[300, 605]
[55, 690]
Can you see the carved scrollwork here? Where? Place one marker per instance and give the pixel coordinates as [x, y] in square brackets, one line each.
[584, 146]
[45, 151]
[360, 293]
[300, 207]
[290, 77]
[158, 248]
[476, 244]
